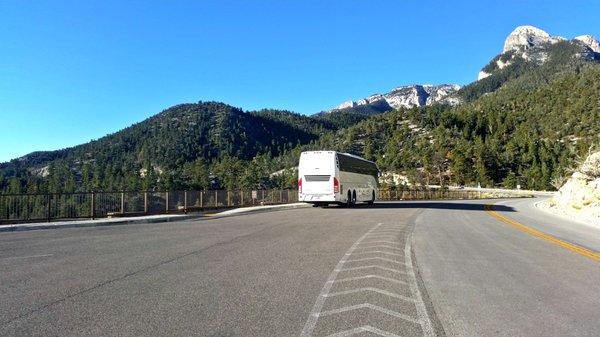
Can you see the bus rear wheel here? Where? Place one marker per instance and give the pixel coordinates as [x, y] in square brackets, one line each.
[372, 201]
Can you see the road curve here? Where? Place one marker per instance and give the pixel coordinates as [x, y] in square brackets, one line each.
[394, 269]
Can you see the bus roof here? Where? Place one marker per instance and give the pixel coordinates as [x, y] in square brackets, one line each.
[342, 153]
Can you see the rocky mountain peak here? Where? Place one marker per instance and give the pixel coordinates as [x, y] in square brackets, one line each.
[532, 44]
[407, 96]
[589, 41]
[524, 37]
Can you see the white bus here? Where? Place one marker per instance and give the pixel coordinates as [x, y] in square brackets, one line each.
[329, 177]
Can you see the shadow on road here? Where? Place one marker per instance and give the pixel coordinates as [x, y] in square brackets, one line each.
[430, 204]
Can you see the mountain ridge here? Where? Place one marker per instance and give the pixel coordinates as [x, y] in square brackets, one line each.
[406, 96]
[184, 145]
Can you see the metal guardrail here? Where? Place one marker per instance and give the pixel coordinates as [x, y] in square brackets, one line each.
[54, 206]
[429, 194]
[16, 208]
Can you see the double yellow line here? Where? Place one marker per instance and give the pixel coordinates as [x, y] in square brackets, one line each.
[534, 232]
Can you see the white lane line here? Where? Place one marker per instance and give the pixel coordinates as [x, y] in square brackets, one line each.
[368, 277]
[381, 246]
[27, 257]
[379, 241]
[369, 306]
[314, 315]
[424, 319]
[390, 231]
[364, 328]
[374, 266]
[376, 258]
[375, 290]
[377, 252]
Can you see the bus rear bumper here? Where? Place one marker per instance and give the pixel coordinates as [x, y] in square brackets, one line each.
[318, 198]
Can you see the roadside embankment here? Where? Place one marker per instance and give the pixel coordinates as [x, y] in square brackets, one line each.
[579, 197]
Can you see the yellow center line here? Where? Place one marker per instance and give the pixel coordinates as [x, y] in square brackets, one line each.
[534, 232]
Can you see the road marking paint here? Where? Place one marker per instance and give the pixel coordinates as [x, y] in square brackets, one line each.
[375, 290]
[390, 231]
[368, 306]
[381, 246]
[27, 257]
[541, 235]
[364, 328]
[377, 252]
[376, 258]
[374, 266]
[368, 277]
[314, 316]
[424, 320]
[379, 241]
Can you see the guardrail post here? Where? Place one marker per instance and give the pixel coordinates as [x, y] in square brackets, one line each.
[47, 209]
[167, 202]
[93, 206]
[281, 196]
[242, 198]
[216, 197]
[185, 202]
[228, 198]
[122, 203]
[201, 199]
[145, 202]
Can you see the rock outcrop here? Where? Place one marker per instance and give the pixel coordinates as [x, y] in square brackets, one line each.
[525, 37]
[580, 195]
[407, 97]
[532, 45]
[590, 42]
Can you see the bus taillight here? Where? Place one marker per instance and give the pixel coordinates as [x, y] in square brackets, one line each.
[336, 185]
[300, 185]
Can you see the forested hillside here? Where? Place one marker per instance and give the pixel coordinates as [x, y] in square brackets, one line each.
[510, 137]
[534, 111]
[185, 146]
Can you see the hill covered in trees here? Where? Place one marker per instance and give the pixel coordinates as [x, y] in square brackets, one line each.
[512, 136]
[525, 123]
[176, 148]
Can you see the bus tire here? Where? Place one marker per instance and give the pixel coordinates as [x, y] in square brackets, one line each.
[372, 201]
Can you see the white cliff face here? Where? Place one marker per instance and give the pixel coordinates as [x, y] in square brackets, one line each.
[347, 104]
[482, 74]
[579, 197]
[525, 37]
[409, 96]
[590, 42]
[531, 44]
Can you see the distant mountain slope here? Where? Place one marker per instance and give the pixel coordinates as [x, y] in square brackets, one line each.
[172, 138]
[535, 58]
[308, 124]
[513, 136]
[402, 97]
[522, 123]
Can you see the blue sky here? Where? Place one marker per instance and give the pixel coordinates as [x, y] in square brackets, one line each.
[72, 71]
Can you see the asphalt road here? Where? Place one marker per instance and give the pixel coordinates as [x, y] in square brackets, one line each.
[395, 269]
